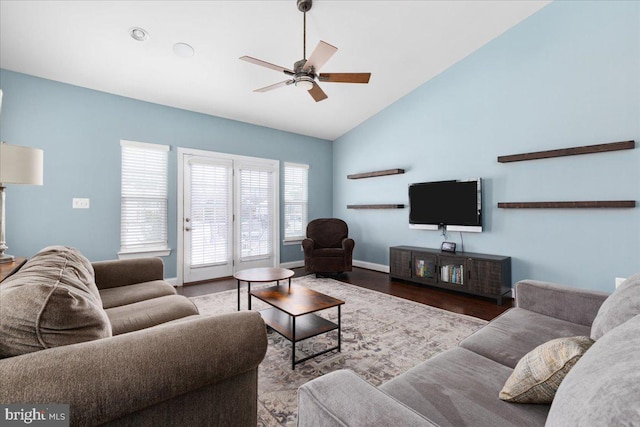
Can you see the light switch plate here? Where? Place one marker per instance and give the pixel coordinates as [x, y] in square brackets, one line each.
[80, 203]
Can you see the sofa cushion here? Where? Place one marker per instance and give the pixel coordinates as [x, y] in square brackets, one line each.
[538, 374]
[144, 314]
[620, 306]
[460, 388]
[602, 389]
[516, 332]
[123, 295]
[51, 301]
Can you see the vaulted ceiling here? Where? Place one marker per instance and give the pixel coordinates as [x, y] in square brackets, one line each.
[402, 43]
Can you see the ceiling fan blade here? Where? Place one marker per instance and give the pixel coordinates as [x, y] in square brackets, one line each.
[267, 64]
[274, 86]
[319, 56]
[344, 77]
[317, 93]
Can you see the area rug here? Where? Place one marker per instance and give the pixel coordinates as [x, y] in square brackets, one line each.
[382, 337]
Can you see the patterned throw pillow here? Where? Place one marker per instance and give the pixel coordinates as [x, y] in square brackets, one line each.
[539, 373]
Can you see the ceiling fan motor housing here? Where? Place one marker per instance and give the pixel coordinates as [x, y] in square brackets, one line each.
[299, 73]
[304, 5]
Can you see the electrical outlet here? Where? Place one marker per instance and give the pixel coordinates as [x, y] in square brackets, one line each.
[619, 281]
[80, 203]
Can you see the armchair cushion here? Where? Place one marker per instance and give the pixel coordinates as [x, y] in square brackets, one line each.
[52, 301]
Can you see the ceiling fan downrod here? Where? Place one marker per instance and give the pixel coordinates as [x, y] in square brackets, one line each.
[304, 6]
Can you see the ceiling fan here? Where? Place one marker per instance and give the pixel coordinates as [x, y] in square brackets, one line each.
[305, 72]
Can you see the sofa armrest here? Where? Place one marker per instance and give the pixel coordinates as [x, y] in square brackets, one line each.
[342, 398]
[562, 302]
[123, 272]
[107, 379]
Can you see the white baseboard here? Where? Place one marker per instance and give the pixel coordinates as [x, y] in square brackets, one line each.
[356, 263]
[371, 266]
[296, 264]
[292, 264]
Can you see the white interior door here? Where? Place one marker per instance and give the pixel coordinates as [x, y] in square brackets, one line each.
[207, 218]
[229, 214]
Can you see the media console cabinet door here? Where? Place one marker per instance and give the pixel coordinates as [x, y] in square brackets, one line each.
[400, 264]
[425, 267]
[485, 277]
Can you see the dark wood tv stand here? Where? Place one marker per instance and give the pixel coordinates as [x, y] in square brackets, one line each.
[471, 273]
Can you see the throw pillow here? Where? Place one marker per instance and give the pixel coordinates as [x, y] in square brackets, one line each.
[620, 306]
[51, 301]
[539, 373]
[603, 389]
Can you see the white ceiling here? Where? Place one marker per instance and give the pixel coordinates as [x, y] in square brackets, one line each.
[402, 43]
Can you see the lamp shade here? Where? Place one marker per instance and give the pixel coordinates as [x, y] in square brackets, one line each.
[21, 165]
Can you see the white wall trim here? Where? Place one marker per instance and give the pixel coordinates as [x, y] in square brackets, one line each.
[292, 264]
[173, 281]
[371, 266]
[183, 153]
[356, 263]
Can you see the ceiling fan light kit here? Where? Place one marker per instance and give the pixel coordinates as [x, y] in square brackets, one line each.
[304, 73]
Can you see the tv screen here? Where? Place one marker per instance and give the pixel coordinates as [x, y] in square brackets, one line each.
[454, 204]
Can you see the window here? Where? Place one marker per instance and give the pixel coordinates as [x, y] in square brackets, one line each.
[295, 201]
[256, 213]
[143, 227]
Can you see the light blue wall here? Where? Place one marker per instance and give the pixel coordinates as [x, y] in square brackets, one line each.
[567, 76]
[80, 132]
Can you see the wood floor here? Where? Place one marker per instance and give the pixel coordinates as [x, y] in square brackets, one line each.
[482, 308]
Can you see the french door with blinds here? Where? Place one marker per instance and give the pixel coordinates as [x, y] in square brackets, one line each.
[229, 214]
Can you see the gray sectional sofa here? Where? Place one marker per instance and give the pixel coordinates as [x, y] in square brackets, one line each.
[116, 342]
[460, 387]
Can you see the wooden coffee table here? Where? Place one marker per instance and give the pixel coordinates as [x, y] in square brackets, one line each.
[292, 315]
[261, 275]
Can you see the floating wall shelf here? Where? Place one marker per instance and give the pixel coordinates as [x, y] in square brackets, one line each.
[375, 206]
[573, 151]
[569, 205]
[376, 173]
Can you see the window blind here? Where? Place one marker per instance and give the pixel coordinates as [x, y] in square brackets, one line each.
[143, 195]
[210, 221]
[256, 211]
[295, 201]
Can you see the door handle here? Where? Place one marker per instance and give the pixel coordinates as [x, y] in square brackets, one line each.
[187, 229]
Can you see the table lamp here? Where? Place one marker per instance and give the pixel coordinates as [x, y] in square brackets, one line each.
[18, 165]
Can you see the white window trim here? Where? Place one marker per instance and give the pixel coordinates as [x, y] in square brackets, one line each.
[144, 253]
[155, 251]
[145, 145]
[295, 240]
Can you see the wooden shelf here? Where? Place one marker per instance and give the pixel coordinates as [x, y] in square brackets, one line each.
[569, 205]
[375, 206]
[573, 151]
[376, 173]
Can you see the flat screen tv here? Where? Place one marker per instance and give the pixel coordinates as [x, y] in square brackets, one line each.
[455, 205]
